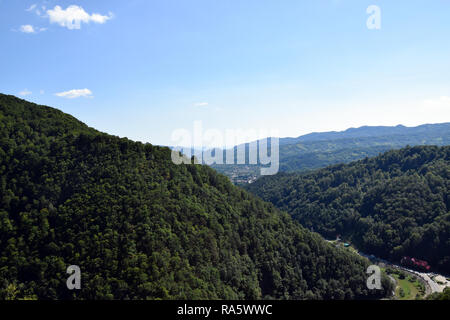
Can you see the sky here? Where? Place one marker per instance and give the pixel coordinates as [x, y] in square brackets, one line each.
[143, 69]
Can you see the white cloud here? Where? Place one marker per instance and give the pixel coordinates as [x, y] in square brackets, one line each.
[72, 17]
[27, 28]
[201, 104]
[31, 8]
[25, 92]
[75, 93]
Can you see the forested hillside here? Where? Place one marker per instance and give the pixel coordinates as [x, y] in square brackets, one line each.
[141, 227]
[393, 205]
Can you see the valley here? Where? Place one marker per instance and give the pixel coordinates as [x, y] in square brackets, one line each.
[140, 226]
[319, 150]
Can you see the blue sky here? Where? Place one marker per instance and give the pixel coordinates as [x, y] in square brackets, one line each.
[141, 69]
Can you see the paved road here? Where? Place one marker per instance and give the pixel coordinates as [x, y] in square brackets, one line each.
[425, 276]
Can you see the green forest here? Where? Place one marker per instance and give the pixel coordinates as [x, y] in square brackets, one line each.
[393, 205]
[141, 227]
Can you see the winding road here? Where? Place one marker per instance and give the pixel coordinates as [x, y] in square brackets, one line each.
[427, 277]
[431, 285]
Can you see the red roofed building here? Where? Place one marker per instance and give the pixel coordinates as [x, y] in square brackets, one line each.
[415, 263]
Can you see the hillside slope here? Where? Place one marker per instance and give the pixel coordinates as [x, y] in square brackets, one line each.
[141, 227]
[393, 205]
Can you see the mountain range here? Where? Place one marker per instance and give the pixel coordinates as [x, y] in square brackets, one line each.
[318, 150]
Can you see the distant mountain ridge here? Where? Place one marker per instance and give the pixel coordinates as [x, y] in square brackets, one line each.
[318, 150]
[368, 131]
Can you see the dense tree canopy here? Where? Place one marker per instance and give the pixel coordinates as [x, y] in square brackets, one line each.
[141, 227]
[393, 205]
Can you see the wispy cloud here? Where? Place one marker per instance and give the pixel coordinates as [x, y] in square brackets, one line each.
[73, 16]
[31, 8]
[75, 93]
[25, 92]
[37, 10]
[201, 104]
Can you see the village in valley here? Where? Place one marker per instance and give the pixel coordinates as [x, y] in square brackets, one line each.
[413, 278]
